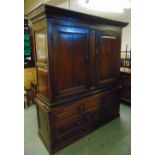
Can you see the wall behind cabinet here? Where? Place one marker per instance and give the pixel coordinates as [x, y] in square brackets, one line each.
[126, 38]
[30, 4]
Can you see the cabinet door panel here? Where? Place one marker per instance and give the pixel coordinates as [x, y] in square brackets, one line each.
[107, 57]
[70, 67]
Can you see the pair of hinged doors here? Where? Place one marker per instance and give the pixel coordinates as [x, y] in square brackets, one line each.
[83, 59]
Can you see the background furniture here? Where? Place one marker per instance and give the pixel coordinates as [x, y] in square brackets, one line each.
[29, 65]
[30, 94]
[27, 98]
[125, 59]
[126, 87]
[125, 77]
[29, 77]
[78, 63]
[28, 46]
[30, 86]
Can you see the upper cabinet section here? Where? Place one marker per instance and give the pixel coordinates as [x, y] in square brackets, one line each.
[76, 53]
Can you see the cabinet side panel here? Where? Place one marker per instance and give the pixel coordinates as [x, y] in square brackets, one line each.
[43, 86]
[42, 67]
[43, 125]
[41, 45]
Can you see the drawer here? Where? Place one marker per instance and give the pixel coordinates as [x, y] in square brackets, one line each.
[92, 104]
[65, 128]
[67, 112]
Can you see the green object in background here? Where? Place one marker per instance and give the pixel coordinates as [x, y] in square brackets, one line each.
[26, 36]
[27, 44]
[27, 51]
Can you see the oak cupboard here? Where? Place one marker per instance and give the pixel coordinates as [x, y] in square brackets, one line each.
[78, 60]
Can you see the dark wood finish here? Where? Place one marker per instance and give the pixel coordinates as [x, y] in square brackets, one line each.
[41, 53]
[106, 58]
[44, 127]
[70, 48]
[80, 118]
[92, 61]
[77, 57]
[43, 86]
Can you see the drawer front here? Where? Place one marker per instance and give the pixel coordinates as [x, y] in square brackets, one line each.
[66, 113]
[73, 110]
[92, 104]
[66, 128]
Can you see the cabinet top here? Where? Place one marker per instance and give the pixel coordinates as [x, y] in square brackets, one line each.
[48, 11]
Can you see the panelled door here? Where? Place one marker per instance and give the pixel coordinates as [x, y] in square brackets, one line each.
[70, 51]
[107, 58]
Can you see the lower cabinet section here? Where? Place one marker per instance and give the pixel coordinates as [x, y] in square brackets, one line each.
[63, 124]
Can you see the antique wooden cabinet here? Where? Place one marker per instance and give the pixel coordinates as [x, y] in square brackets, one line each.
[77, 58]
